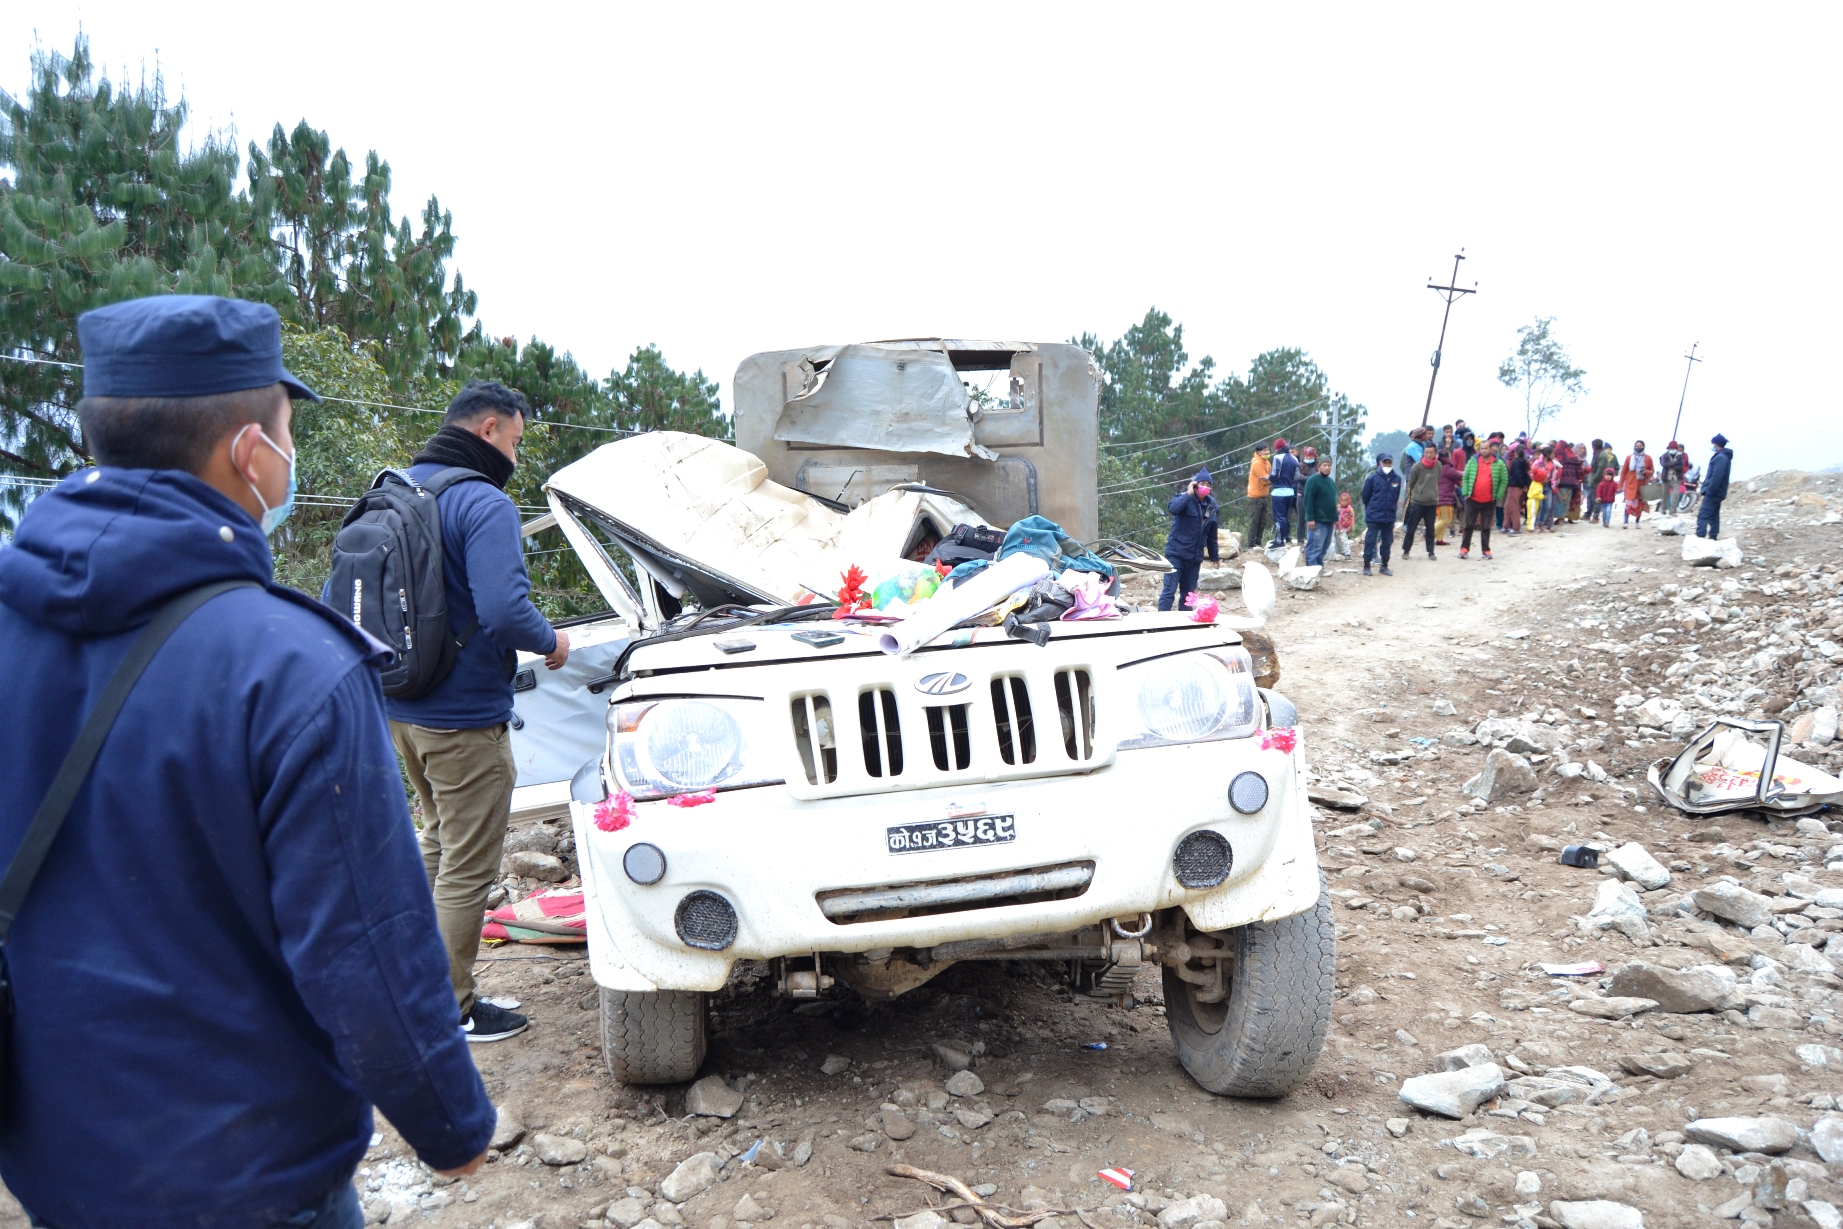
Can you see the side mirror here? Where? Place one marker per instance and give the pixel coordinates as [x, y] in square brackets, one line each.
[587, 785]
[1257, 593]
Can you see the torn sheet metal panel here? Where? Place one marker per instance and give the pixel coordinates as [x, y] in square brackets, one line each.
[701, 516]
[1735, 765]
[893, 399]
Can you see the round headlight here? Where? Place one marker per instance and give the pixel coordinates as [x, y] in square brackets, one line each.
[694, 745]
[1248, 792]
[1183, 698]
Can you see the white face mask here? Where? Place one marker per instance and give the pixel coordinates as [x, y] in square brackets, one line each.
[1388, 469]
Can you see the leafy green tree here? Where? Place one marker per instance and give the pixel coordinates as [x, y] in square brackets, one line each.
[104, 202]
[349, 264]
[650, 396]
[1162, 419]
[1542, 372]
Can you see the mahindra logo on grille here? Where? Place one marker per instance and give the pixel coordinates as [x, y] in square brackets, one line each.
[943, 683]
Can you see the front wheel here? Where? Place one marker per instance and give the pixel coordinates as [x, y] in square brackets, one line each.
[1255, 1029]
[653, 1037]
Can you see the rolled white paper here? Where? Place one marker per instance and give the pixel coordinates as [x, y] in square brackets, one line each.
[949, 606]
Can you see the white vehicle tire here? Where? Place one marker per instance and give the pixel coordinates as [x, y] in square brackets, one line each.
[1264, 1039]
[653, 1037]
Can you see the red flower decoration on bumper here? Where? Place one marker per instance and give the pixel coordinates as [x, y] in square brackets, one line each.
[1283, 739]
[613, 814]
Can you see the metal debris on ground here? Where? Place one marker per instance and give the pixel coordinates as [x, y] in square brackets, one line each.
[1736, 765]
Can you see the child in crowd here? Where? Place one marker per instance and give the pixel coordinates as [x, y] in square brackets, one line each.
[1346, 521]
[1605, 495]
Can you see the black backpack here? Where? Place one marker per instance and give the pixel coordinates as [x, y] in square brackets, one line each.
[387, 577]
[967, 542]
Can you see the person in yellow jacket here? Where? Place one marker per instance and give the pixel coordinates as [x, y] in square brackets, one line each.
[1260, 467]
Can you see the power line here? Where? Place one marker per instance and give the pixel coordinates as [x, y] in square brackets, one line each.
[301, 500]
[376, 405]
[1149, 445]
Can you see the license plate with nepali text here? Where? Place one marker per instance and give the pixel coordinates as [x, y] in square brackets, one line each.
[952, 834]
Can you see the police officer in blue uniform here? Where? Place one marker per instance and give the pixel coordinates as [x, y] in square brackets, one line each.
[228, 953]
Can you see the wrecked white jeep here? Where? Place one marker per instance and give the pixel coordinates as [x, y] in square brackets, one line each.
[1124, 795]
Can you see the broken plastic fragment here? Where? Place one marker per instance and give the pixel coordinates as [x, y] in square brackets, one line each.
[613, 814]
[1122, 1178]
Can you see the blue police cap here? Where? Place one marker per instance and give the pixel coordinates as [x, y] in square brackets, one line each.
[183, 345]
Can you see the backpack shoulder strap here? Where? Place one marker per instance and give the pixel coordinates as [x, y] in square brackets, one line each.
[49, 818]
[442, 479]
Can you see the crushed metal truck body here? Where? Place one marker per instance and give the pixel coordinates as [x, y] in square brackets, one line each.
[765, 781]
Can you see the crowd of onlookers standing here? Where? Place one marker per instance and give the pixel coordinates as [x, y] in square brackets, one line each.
[1445, 481]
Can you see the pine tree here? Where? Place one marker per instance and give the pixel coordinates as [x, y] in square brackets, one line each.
[104, 203]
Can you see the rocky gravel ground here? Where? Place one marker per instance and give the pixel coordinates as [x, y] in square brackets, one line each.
[1464, 721]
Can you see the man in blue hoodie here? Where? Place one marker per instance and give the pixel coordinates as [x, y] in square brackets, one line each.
[1184, 544]
[1285, 480]
[454, 740]
[228, 955]
[1714, 489]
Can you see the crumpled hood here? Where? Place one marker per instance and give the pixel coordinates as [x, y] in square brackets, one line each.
[103, 550]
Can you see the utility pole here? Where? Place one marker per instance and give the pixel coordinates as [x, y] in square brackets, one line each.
[1449, 292]
[1687, 368]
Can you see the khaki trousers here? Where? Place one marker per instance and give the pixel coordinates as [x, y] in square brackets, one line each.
[465, 779]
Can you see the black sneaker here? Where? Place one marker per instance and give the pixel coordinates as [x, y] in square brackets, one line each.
[1385, 570]
[490, 1023]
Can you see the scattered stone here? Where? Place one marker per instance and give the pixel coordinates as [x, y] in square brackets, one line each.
[1444, 708]
[1504, 775]
[530, 864]
[1470, 1204]
[559, 1149]
[925, 1219]
[1814, 1055]
[1415, 883]
[896, 1124]
[1596, 1213]
[1528, 1183]
[695, 1173]
[1827, 1137]
[1711, 553]
[1823, 1214]
[1198, 1209]
[952, 1057]
[1639, 866]
[1487, 1145]
[1611, 1008]
[1340, 799]
[863, 1143]
[1735, 903]
[1617, 906]
[747, 1209]
[971, 1119]
[1764, 1134]
[507, 1131]
[1807, 959]
[1399, 1127]
[1668, 1065]
[1352, 1178]
[1454, 1094]
[713, 1098]
[835, 1064]
[626, 1213]
[1474, 1055]
[964, 1084]
[1676, 992]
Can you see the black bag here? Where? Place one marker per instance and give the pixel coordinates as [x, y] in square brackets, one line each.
[966, 542]
[30, 855]
[387, 577]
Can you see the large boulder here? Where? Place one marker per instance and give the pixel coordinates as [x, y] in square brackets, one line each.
[1735, 903]
[1639, 866]
[1504, 775]
[1213, 580]
[1709, 553]
[1303, 577]
[1454, 1094]
[1763, 1134]
[1675, 992]
[1595, 1214]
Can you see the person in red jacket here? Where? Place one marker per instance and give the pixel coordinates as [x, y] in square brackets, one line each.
[1605, 495]
[1567, 482]
[1638, 471]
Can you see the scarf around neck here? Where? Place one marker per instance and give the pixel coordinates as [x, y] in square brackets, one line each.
[454, 446]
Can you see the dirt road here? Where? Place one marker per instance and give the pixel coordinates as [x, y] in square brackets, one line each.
[1447, 906]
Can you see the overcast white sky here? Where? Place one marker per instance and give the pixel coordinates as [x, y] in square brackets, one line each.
[722, 180]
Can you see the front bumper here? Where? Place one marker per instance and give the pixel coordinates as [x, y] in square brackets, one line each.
[770, 854]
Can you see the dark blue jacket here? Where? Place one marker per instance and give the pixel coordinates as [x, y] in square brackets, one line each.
[483, 569]
[231, 952]
[1715, 480]
[1380, 497]
[1285, 474]
[1185, 541]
